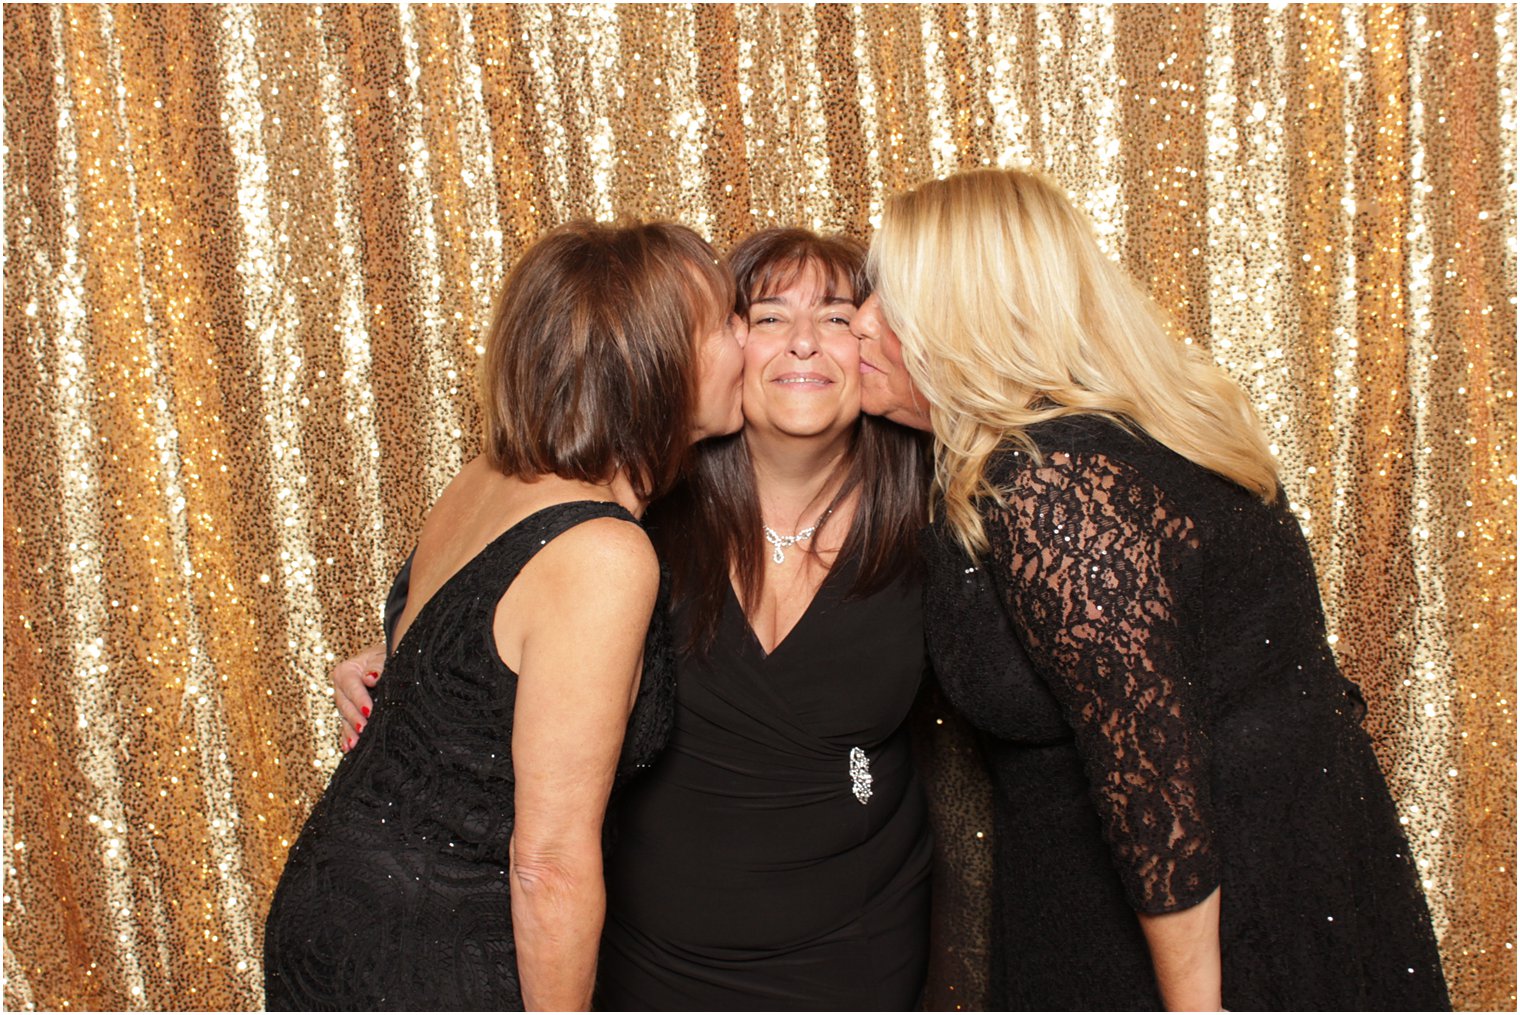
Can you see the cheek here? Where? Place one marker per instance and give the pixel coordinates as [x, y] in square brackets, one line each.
[736, 364]
[733, 359]
[845, 350]
[891, 349]
[721, 363]
[710, 362]
[898, 380]
[755, 356]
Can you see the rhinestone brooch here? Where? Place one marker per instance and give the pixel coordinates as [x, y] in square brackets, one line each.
[860, 774]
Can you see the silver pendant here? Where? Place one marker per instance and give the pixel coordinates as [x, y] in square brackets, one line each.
[781, 543]
[860, 774]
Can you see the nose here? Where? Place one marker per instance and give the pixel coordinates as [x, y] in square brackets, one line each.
[803, 342]
[864, 324]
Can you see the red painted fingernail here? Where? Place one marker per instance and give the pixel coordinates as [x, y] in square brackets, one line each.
[365, 710]
[373, 675]
[359, 729]
[346, 745]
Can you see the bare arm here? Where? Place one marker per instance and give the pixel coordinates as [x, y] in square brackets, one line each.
[582, 617]
[1185, 954]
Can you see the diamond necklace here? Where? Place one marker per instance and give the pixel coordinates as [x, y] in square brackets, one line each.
[782, 543]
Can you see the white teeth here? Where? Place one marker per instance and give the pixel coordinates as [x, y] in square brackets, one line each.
[800, 380]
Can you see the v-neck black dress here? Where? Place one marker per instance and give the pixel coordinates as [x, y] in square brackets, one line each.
[777, 857]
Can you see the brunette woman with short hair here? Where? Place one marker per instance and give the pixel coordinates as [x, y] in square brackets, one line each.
[455, 860]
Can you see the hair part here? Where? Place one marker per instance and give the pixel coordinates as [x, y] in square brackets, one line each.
[1010, 314]
[590, 365]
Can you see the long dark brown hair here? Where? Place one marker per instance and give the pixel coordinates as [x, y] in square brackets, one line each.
[713, 514]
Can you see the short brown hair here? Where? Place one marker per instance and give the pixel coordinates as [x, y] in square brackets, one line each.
[590, 361]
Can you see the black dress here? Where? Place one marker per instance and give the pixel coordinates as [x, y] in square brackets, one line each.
[777, 856]
[1178, 724]
[395, 896]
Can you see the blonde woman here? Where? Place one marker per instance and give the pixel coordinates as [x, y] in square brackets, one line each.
[1188, 812]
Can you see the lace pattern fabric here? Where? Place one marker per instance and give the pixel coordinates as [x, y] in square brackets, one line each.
[1089, 555]
[1143, 655]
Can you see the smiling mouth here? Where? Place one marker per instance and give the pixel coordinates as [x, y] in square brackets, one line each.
[797, 379]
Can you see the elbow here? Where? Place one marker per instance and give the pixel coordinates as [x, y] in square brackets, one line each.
[548, 873]
[554, 877]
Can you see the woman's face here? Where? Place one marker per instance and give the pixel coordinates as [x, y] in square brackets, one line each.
[801, 364]
[720, 373]
[886, 389]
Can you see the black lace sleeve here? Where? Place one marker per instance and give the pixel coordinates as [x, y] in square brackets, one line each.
[1090, 558]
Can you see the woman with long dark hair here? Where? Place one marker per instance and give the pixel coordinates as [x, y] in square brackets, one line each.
[777, 856]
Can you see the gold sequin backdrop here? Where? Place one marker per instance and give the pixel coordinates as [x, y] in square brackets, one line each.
[249, 252]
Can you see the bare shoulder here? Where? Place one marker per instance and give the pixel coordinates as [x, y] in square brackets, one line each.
[598, 563]
[610, 545]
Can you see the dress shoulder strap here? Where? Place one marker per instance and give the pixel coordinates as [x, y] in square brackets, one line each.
[500, 562]
[486, 576]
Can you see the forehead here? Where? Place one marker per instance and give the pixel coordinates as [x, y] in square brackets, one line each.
[807, 282]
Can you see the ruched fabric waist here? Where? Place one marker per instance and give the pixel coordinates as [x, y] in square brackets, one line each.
[779, 808]
[761, 856]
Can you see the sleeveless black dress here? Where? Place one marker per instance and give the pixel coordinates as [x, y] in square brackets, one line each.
[1143, 651]
[777, 855]
[395, 896]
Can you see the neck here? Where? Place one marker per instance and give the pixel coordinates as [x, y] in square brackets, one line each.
[617, 490]
[795, 477]
[621, 490]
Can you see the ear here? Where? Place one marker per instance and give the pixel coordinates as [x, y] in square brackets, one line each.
[741, 331]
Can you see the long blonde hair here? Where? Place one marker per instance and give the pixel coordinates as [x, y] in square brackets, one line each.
[1010, 314]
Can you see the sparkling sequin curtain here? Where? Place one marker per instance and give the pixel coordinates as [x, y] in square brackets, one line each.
[249, 252]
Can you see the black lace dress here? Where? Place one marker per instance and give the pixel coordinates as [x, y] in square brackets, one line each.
[1177, 725]
[395, 896]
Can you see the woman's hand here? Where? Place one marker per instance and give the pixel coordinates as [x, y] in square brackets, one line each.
[1185, 954]
[351, 680]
